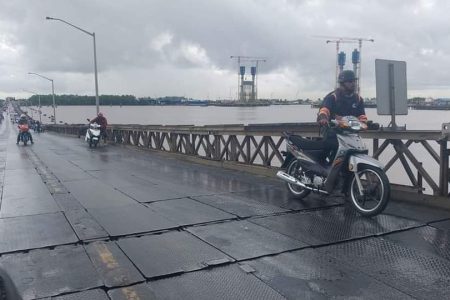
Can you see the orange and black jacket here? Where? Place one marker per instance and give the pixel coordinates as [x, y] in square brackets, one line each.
[337, 104]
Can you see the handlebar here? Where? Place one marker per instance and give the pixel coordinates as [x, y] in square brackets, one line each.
[352, 125]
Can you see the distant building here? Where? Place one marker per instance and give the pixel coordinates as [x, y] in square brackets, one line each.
[442, 102]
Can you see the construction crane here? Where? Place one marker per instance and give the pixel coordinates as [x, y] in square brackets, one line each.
[356, 58]
[241, 73]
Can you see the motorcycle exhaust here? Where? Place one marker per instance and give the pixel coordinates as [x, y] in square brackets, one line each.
[292, 180]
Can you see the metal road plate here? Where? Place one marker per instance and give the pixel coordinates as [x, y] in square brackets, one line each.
[96, 294]
[130, 219]
[151, 192]
[138, 292]
[47, 176]
[28, 189]
[243, 240]
[428, 239]
[90, 164]
[85, 226]
[215, 182]
[226, 282]
[94, 193]
[64, 152]
[55, 187]
[240, 206]
[28, 232]
[281, 197]
[112, 265]
[187, 187]
[406, 269]
[44, 272]
[17, 176]
[119, 179]
[186, 211]
[333, 225]
[170, 253]
[18, 163]
[30, 205]
[69, 174]
[444, 225]
[307, 274]
[67, 202]
[420, 213]
[300, 226]
[346, 223]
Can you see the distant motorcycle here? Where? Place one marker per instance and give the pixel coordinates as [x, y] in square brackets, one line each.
[311, 167]
[93, 135]
[24, 133]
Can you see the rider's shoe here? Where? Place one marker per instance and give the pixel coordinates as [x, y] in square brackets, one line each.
[32, 142]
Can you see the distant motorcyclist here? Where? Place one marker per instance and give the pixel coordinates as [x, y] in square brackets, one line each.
[341, 102]
[101, 120]
[23, 120]
[37, 127]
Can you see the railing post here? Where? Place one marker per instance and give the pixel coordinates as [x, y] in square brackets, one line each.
[233, 146]
[266, 151]
[420, 181]
[375, 145]
[443, 173]
[216, 147]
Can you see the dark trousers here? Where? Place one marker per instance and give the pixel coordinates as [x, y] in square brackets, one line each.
[29, 134]
[331, 143]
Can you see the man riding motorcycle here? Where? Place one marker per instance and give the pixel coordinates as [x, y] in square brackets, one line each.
[341, 102]
[100, 120]
[24, 121]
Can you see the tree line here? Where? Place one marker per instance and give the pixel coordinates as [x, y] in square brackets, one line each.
[104, 100]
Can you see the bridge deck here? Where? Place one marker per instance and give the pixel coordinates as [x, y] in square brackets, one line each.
[118, 223]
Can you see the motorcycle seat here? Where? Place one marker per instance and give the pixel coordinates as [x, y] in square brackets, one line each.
[307, 144]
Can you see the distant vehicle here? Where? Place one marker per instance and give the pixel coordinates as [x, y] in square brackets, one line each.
[93, 135]
[24, 132]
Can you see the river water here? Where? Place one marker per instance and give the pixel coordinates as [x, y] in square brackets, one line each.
[210, 115]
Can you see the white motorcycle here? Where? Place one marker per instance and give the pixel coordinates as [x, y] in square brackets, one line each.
[360, 177]
[93, 135]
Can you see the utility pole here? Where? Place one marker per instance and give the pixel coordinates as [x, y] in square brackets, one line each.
[241, 73]
[338, 41]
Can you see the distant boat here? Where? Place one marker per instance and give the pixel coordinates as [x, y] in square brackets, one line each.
[197, 103]
[240, 104]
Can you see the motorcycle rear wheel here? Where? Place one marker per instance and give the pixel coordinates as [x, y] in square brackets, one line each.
[296, 191]
[376, 191]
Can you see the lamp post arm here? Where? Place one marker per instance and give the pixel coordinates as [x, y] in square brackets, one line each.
[40, 76]
[74, 26]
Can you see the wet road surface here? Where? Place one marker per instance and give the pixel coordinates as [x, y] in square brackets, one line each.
[119, 223]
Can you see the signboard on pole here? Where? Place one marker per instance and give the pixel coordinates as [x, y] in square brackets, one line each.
[391, 87]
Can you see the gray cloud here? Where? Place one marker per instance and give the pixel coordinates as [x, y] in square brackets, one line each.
[183, 47]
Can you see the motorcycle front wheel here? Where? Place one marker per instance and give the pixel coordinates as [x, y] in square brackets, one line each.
[375, 191]
[296, 191]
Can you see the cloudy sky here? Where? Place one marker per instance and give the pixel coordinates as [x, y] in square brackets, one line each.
[183, 47]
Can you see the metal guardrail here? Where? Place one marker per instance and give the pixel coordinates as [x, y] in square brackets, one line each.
[261, 145]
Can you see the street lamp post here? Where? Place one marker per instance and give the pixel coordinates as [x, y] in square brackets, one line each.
[97, 100]
[53, 94]
[39, 104]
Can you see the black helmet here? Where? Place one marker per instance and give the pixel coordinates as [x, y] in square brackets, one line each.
[347, 75]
